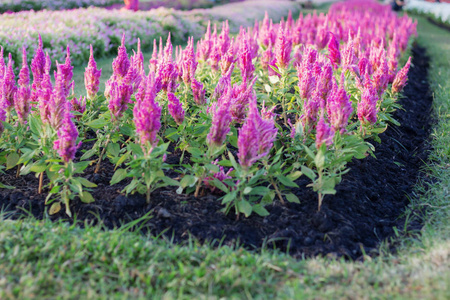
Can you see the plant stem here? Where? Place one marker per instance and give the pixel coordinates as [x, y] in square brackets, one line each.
[148, 196]
[97, 168]
[197, 188]
[277, 190]
[41, 180]
[18, 171]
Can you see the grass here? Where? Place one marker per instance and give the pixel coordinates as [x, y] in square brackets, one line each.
[44, 260]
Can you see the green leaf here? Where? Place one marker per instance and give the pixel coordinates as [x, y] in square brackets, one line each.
[310, 153]
[136, 149]
[188, 180]
[12, 160]
[247, 190]
[225, 163]
[80, 166]
[292, 198]
[38, 167]
[308, 172]
[86, 183]
[195, 151]
[268, 198]
[55, 208]
[118, 176]
[319, 160]
[259, 190]
[286, 181]
[219, 184]
[122, 159]
[244, 207]
[233, 161]
[170, 181]
[260, 210]
[294, 175]
[229, 197]
[34, 125]
[126, 130]
[3, 186]
[86, 197]
[75, 185]
[97, 124]
[113, 149]
[88, 154]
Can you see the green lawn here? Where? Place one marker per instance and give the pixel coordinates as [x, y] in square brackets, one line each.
[44, 260]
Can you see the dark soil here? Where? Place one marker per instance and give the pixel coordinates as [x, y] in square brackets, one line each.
[364, 211]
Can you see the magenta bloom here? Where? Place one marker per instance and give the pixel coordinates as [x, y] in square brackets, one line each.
[92, 76]
[245, 61]
[8, 86]
[324, 134]
[223, 84]
[66, 145]
[283, 48]
[324, 83]
[2, 118]
[64, 74]
[221, 121]
[120, 96]
[2, 64]
[38, 69]
[24, 74]
[175, 108]
[267, 57]
[349, 59]
[306, 79]
[241, 97]
[310, 112]
[188, 62]
[367, 107]
[401, 78]
[256, 137]
[227, 60]
[339, 108]
[44, 93]
[198, 91]
[22, 103]
[221, 176]
[381, 77]
[78, 105]
[121, 63]
[333, 49]
[147, 115]
[205, 45]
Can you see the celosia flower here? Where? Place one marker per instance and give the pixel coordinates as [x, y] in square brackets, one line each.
[147, 115]
[339, 108]
[333, 49]
[227, 60]
[324, 134]
[256, 137]
[121, 63]
[310, 112]
[92, 76]
[153, 62]
[120, 97]
[306, 79]
[381, 76]
[24, 74]
[349, 59]
[66, 145]
[221, 121]
[245, 61]
[22, 103]
[223, 39]
[8, 86]
[401, 78]
[367, 107]
[223, 83]
[221, 176]
[188, 63]
[64, 75]
[324, 84]
[2, 64]
[267, 57]
[175, 108]
[38, 69]
[198, 91]
[205, 45]
[2, 118]
[283, 48]
[78, 105]
[241, 97]
[44, 93]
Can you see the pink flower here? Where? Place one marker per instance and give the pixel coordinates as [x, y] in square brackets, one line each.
[205, 45]
[367, 107]
[2, 64]
[38, 69]
[333, 49]
[401, 78]
[8, 86]
[227, 60]
[221, 121]
[188, 63]
[120, 96]
[45, 91]
[24, 74]
[310, 112]
[221, 176]
[147, 115]
[66, 145]
[306, 79]
[121, 63]
[325, 83]
[339, 108]
[78, 105]
[92, 76]
[198, 91]
[324, 134]
[175, 108]
[267, 57]
[223, 84]
[283, 48]
[241, 97]
[245, 61]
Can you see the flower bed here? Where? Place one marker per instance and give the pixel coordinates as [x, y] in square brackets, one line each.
[238, 123]
[20, 5]
[438, 12]
[103, 28]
